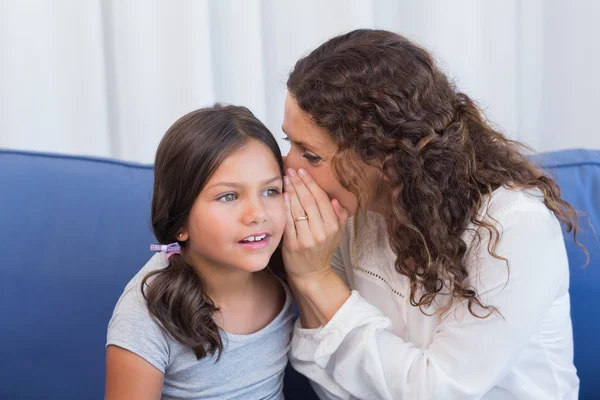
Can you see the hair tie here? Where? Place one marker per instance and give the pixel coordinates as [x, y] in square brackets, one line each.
[169, 249]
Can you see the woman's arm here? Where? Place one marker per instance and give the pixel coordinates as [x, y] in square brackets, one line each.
[308, 249]
[130, 377]
[319, 299]
[355, 354]
[468, 356]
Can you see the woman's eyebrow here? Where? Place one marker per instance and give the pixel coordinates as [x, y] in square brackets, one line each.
[296, 142]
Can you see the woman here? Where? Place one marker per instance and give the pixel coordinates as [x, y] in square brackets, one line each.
[450, 280]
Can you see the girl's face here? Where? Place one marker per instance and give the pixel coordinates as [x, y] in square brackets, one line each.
[238, 218]
[312, 149]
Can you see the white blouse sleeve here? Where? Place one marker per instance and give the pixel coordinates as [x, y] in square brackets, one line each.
[356, 356]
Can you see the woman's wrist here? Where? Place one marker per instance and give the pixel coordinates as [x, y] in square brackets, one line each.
[323, 293]
[308, 319]
[307, 281]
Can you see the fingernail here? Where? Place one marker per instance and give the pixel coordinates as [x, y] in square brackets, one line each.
[291, 172]
[286, 180]
[286, 197]
[302, 172]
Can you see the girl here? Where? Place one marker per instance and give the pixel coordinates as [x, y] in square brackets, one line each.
[451, 281]
[204, 318]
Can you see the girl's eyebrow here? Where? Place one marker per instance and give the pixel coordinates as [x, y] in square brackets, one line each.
[239, 185]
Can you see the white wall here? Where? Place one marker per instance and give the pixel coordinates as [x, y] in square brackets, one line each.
[109, 77]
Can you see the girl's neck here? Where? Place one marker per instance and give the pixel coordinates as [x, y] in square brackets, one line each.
[224, 284]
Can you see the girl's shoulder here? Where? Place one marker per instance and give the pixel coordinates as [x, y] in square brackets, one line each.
[131, 301]
[156, 262]
[132, 327]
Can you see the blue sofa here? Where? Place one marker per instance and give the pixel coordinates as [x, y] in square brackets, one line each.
[74, 230]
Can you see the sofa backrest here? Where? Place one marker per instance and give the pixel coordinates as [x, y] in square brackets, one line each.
[74, 231]
[578, 174]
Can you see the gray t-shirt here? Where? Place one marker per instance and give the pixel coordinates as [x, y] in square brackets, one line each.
[250, 367]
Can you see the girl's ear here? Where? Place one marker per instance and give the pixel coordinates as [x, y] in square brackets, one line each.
[182, 235]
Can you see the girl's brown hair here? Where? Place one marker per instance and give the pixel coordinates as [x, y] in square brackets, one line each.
[188, 155]
[384, 101]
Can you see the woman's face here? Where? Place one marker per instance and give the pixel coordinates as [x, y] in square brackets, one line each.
[312, 149]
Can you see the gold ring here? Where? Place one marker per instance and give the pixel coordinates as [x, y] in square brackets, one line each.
[302, 218]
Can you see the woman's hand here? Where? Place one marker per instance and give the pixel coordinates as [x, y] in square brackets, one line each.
[314, 228]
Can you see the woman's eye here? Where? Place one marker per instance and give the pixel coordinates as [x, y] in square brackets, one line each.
[287, 139]
[311, 158]
[226, 198]
[271, 192]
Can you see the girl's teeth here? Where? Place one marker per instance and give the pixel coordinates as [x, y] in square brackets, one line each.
[254, 238]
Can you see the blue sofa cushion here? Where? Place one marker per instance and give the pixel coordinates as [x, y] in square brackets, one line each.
[578, 174]
[74, 231]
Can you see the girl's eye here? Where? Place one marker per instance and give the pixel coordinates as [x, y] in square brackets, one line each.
[271, 192]
[226, 198]
[287, 139]
[311, 158]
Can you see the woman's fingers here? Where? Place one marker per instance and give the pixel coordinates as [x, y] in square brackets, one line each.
[305, 197]
[301, 226]
[308, 203]
[309, 240]
[320, 197]
[290, 229]
[340, 212]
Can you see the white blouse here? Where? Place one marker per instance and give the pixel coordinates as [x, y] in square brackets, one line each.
[378, 346]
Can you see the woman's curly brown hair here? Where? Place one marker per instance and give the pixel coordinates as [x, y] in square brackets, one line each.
[382, 98]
